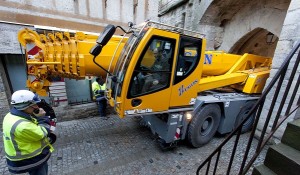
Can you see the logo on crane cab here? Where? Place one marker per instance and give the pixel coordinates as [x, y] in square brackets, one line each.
[208, 58]
[183, 89]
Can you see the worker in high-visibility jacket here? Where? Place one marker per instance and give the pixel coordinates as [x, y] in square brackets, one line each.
[98, 88]
[25, 135]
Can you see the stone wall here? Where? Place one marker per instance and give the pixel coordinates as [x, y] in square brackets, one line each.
[189, 15]
[254, 15]
[290, 34]
[9, 43]
[224, 22]
[4, 105]
[85, 15]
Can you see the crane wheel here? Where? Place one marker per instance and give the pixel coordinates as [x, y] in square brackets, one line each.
[204, 125]
[247, 126]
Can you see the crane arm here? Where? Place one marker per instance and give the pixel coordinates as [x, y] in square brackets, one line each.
[64, 55]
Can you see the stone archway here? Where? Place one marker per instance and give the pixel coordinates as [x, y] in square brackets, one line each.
[227, 23]
[249, 25]
[255, 42]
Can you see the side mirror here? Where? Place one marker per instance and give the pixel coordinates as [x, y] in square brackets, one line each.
[103, 39]
[96, 50]
[106, 35]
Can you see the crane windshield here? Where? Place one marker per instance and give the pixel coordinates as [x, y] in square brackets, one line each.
[123, 62]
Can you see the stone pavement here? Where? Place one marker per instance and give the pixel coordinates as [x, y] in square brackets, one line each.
[120, 146]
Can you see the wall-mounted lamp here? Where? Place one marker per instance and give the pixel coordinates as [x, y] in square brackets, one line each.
[270, 38]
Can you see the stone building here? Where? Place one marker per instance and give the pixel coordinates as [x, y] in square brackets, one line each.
[263, 27]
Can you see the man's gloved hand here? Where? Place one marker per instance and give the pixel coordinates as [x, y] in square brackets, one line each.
[45, 122]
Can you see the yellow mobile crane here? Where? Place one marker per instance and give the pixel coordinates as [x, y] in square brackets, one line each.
[156, 71]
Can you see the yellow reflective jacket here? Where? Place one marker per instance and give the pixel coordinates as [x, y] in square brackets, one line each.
[24, 140]
[97, 88]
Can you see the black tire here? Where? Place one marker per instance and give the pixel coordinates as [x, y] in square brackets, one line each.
[247, 126]
[204, 125]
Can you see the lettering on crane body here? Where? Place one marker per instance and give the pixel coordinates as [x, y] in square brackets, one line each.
[183, 89]
[208, 58]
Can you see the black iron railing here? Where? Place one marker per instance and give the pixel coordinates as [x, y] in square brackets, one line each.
[283, 97]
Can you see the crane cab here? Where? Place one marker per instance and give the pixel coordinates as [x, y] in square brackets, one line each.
[156, 63]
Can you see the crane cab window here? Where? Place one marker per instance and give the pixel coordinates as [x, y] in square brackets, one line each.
[188, 57]
[153, 70]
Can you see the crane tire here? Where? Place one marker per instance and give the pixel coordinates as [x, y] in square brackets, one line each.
[204, 125]
[247, 126]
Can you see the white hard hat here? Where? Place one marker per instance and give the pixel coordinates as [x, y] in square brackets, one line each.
[22, 99]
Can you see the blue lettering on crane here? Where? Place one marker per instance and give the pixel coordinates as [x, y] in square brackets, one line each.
[183, 89]
[208, 58]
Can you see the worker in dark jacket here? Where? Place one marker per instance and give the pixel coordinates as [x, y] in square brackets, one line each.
[25, 135]
[98, 88]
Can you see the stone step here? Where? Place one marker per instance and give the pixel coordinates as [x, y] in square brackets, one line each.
[282, 159]
[262, 170]
[291, 135]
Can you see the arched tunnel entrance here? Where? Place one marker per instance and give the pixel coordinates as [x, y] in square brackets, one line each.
[258, 41]
[239, 27]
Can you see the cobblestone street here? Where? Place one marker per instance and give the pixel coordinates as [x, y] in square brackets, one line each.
[121, 146]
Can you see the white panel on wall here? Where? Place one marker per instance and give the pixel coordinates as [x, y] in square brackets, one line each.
[113, 10]
[82, 6]
[18, 1]
[152, 10]
[127, 11]
[46, 4]
[66, 6]
[95, 8]
[140, 12]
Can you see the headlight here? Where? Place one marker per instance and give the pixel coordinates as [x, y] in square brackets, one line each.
[188, 116]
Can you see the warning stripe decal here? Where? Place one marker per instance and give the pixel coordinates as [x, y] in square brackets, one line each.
[177, 134]
[34, 50]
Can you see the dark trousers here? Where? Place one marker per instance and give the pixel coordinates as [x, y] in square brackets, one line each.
[41, 170]
[102, 106]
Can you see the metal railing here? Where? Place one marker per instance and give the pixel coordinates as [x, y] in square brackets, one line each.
[273, 120]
